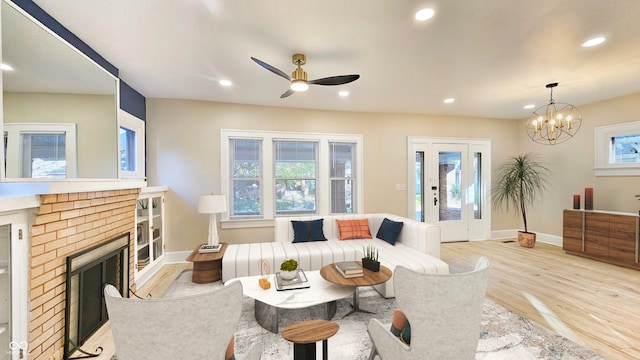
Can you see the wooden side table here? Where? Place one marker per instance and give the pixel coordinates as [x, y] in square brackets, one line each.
[304, 336]
[207, 267]
[329, 273]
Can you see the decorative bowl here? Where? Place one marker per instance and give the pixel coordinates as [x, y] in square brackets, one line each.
[288, 275]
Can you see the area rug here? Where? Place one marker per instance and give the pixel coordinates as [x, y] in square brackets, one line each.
[504, 335]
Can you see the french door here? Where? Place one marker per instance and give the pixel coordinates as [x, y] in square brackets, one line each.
[451, 181]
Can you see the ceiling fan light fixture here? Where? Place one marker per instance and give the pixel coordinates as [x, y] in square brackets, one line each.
[299, 85]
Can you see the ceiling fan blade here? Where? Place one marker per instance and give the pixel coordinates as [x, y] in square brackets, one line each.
[335, 80]
[287, 94]
[271, 68]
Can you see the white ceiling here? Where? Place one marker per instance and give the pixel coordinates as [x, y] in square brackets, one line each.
[492, 56]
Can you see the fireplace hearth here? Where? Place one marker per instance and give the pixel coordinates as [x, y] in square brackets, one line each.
[87, 274]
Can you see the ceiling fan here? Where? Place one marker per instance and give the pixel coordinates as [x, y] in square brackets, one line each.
[298, 78]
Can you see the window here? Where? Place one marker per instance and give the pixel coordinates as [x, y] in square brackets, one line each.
[131, 148]
[618, 150]
[40, 151]
[280, 174]
[295, 172]
[341, 164]
[246, 173]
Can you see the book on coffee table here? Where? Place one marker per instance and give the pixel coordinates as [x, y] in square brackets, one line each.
[300, 281]
[349, 269]
[210, 248]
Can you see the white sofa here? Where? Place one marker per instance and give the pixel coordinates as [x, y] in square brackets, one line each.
[417, 248]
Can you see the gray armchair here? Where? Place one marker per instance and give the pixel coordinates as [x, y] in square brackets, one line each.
[444, 313]
[190, 327]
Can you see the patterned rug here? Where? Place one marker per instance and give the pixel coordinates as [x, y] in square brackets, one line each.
[504, 335]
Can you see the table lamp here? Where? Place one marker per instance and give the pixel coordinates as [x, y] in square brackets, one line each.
[212, 204]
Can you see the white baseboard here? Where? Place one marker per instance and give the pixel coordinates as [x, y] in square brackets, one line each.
[176, 256]
[513, 233]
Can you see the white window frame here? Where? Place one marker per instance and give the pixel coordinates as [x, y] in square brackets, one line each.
[603, 151]
[136, 125]
[323, 196]
[14, 148]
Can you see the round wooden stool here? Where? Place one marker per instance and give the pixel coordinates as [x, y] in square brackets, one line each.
[305, 334]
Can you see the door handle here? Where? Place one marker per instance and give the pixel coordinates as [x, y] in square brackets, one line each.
[435, 201]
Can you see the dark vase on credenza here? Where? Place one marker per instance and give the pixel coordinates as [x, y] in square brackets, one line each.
[588, 198]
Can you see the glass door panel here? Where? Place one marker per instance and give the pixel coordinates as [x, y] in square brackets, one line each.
[156, 228]
[420, 195]
[449, 196]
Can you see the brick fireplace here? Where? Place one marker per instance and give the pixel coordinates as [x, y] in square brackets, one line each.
[66, 224]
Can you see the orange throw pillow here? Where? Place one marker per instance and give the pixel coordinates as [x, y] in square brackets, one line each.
[354, 229]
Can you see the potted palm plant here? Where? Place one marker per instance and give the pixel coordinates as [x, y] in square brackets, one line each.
[521, 179]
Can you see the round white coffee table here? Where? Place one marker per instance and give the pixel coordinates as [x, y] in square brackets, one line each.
[267, 302]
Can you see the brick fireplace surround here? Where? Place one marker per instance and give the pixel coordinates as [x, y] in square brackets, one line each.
[65, 224]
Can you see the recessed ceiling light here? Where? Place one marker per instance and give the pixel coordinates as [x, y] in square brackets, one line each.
[530, 106]
[225, 82]
[343, 93]
[449, 100]
[593, 42]
[6, 67]
[424, 14]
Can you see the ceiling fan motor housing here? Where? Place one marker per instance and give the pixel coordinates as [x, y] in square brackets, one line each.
[299, 74]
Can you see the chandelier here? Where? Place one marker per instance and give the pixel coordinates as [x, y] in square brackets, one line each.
[555, 122]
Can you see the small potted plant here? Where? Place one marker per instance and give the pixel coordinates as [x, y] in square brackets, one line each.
[370, 259]
[288, 269]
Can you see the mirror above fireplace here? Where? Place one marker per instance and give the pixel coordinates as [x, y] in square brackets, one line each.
[59, 106]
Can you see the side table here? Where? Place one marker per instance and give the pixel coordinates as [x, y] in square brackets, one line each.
[207, 267]
[329, 273]
[305, 334]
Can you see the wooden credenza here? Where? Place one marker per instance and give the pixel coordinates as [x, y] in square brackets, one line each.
[606, 236]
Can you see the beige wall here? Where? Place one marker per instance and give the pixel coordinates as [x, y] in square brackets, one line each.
[183, 153]
[95, 116]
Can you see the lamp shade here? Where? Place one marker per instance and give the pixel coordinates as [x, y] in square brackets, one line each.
[212, 204]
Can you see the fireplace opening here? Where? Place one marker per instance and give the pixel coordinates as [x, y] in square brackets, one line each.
[87, 273]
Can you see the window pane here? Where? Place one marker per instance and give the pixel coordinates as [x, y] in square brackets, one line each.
[295, 159]
[246, 173]
[626, 149]
[342, 169]
[246, 158]
[127, 149]
[246, 197]
[44, 156]
[295, 171]
[295, 196]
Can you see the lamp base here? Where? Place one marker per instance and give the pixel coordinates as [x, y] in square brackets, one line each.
[210, 248]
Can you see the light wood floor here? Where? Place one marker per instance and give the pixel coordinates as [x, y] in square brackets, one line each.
[592, 303]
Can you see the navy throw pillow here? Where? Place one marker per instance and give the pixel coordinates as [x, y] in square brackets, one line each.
[389, 231]
[304, 231]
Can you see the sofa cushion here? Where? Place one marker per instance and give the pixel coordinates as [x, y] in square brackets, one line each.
[389, 230]
[308, 231]
[354, 229]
